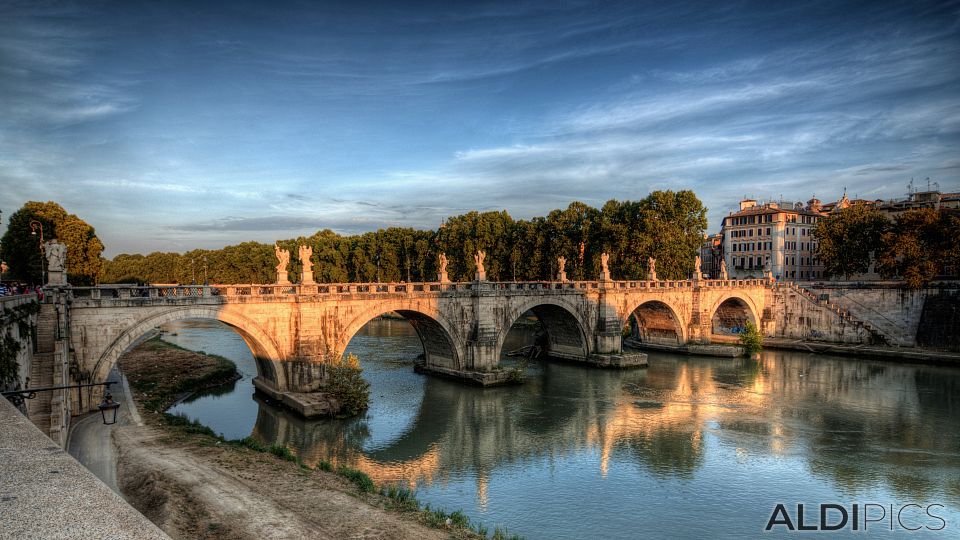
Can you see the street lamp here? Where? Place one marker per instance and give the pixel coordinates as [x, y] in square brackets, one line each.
[108, 408]
[34, 226]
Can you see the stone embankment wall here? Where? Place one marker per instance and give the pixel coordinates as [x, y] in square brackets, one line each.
[798, 316]
[869, 313]
[894, 311]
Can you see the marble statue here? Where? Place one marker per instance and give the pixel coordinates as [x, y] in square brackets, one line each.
[305, 253]
[56, 256]
[604, 268]
[283, 256]
[481, 271]
[442, 273]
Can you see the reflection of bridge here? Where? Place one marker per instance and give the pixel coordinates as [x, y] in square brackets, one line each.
[294, 329]
[788, 405]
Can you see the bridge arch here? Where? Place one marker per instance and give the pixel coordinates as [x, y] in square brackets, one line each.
[263, 347]
[437, 336]
[732, 311]
[656, 321]
[562, 321]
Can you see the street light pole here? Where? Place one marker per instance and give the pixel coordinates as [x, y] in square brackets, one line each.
[34, 226]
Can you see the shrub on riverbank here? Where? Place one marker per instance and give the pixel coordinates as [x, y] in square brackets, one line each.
[346, 384]
[751, 339]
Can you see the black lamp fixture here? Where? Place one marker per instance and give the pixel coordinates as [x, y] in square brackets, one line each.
[108, 407]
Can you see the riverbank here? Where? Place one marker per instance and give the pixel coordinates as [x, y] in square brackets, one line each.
[194, 484]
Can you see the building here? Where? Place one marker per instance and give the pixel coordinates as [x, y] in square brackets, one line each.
[779, 236]
[711, 253]
[773, 236]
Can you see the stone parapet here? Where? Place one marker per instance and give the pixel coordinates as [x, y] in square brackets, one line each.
[45, 493]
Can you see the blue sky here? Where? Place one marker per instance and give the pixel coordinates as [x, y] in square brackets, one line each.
[170, 126]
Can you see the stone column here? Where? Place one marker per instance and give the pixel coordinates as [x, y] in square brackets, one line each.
[482, 342]
[607, 338]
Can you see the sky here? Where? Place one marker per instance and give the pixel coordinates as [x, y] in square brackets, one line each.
[178, 125]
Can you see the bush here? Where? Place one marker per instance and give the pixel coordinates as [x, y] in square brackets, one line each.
[345, 383]
[751, 339]
[282, 452]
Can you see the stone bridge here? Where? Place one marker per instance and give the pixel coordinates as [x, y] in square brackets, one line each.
[294, 330]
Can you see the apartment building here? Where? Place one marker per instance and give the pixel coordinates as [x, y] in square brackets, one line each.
[776, 236]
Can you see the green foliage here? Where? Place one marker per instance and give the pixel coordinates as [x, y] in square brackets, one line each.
[251, 443]
[282, 452]
[751, 339]
[181, 422]
[666, 225]
[845, 239]
[402, 497]
[360, 478]
[920, 245]
[345, 383]
[21, 249]
[503, 534]
[9, 367]
[324, 465]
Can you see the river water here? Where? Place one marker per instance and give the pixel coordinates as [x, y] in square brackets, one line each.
[688, 447]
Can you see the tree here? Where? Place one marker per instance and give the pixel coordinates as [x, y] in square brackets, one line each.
[673, 223]
[21, 248]
[845, 239]
[919, 245]
[751, 339]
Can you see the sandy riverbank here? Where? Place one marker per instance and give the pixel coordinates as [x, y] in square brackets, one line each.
[193, 485]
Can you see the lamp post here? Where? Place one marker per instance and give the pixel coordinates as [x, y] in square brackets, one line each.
[205, 270]
[34, 226]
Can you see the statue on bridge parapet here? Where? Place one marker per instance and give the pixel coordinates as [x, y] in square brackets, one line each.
[767, 270]
[305, 253]
[723, 270]
[481, 271]
[442, 274]
[697, 271]
[561, 272]
[283, 256]
[604, 269]
[56, 253]
[651, 269]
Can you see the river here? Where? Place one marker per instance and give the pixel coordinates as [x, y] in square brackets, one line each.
[688, 447]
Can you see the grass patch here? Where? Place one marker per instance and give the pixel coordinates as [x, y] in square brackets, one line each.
[402, 498]
[359, 478]
[184, 424]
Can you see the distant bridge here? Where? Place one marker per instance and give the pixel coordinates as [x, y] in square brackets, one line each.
[293, 330]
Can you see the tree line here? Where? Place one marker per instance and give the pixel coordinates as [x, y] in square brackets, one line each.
[666, 225]
[915, 246]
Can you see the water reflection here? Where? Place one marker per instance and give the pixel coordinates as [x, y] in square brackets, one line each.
[734, 435]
